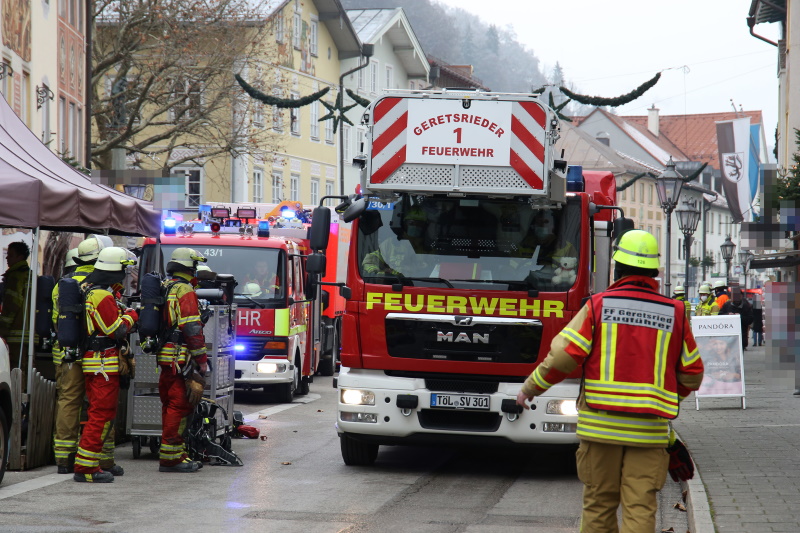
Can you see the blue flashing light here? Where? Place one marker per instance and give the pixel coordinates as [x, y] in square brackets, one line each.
[239, 347]
[263, 228]
[575, 178]
[288, 213]
[169, 226]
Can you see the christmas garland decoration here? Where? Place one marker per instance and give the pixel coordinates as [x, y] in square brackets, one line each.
[337, 112]
[599, 101]
[282, 103]
[691, 177]
[363, 102]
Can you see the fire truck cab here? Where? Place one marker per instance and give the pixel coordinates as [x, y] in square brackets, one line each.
[472, 247]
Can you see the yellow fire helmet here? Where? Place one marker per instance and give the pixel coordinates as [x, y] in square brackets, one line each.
[70, 259]
[113, 259]
[187, 257]
[637, 248]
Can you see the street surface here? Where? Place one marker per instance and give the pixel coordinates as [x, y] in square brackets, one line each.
[295, 481]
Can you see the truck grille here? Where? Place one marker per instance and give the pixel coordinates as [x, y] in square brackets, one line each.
[442, 340]
[453, 420]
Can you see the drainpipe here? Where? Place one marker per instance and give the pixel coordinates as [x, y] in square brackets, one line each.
[366, 52]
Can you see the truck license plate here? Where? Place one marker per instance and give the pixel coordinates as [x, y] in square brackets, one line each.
[459, 401]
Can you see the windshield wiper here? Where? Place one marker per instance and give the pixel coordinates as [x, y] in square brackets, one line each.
[403, 279]
[259, 304]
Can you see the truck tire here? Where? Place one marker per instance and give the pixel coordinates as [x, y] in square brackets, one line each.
[286, 391]
[327, 365]
[357, 453]
[3, 443]
[303, 383]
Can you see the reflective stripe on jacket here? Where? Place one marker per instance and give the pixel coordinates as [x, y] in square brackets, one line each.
[104, 317]
[182, 309]
[639, 357]
[709, 308]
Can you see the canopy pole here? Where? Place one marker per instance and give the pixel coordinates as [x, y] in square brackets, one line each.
[31, 307]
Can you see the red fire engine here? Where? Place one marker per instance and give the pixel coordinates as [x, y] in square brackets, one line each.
[283, 337]
[472, 248]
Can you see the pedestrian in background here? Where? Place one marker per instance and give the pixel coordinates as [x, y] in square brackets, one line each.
[12, 320]
[737, 305]
[634, 376]
[758, 321]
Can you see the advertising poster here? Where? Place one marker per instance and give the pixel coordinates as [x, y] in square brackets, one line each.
[719, 340]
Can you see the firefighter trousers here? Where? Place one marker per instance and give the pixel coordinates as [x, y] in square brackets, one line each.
[70, 392]
[175, 412]
[103, 395]
[614, 474]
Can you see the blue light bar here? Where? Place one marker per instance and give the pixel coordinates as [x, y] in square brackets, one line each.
[239, 347]
[169, 226]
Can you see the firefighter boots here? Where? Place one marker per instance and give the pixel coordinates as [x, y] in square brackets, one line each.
[185, 467]
[115, 470]
[95, 477]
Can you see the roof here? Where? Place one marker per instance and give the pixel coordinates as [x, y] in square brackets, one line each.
[582, 149]
[455, 73]
[771, 11]
[695, 135]
[371, 25]
[659, 147]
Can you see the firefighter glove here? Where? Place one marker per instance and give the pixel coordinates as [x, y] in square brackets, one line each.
[681, 467]
[133, 314]
[195, 384]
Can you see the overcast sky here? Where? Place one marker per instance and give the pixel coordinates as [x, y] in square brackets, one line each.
[609, 48]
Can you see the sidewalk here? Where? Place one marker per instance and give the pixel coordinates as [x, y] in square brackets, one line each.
[748, 460]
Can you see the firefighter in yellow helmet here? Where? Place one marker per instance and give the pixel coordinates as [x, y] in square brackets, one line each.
[106, 327]
[70, 385]
[679, 293]
[708, 305]
[184, 352]
[629, 338]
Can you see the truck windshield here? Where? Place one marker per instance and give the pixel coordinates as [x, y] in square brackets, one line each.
[257, 271]
[470, 243]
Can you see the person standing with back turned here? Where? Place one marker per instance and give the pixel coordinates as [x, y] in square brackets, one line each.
[639, 361]
[185, 345]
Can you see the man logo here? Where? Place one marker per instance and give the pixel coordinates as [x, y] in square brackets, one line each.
[450, 336]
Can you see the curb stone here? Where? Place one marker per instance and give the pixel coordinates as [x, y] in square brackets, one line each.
[697, 505]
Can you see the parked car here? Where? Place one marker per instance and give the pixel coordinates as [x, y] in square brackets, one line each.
[5, 407]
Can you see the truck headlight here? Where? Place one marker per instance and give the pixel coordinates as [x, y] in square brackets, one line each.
[562, 407]
[357, 397]
[270, 368]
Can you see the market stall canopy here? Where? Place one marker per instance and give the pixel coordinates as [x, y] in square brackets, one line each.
[41, 190]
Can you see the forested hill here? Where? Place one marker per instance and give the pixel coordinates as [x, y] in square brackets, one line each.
[460, 38]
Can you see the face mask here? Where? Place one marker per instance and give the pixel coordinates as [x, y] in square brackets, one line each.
[703, 297]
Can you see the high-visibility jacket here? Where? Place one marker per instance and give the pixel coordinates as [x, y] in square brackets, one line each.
[78, 275]
[105, 324]
[12, 319]
[707, 308]
[395, 256]
[687, 305]
[721, 299]
[182, 317]
[639, 358]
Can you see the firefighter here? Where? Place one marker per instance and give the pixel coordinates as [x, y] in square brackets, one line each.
[69, 261]
[397, 256]
[12, 319]
[708, 305]
[185, 345]
[106, 327]
[639, 361]
[679, 293]
[721, 292]
[70, 387]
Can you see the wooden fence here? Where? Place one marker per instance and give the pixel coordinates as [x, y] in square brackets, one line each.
[38, 448]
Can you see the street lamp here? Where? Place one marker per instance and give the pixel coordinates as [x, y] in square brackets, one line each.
[668, 186]
[688, 218]
[727, 248]
[744, 260]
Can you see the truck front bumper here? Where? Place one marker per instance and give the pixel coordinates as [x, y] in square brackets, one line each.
[263, 372]
[396, 410]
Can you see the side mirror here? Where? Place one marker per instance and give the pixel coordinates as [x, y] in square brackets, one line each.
[621, 225]
[320, 228]
[316, 264]
[355, 210]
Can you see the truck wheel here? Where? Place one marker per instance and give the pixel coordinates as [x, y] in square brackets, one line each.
[357, 453]
[303, 383]
[326, 367]
[286, 391]
[3, 444]
[136, 444]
